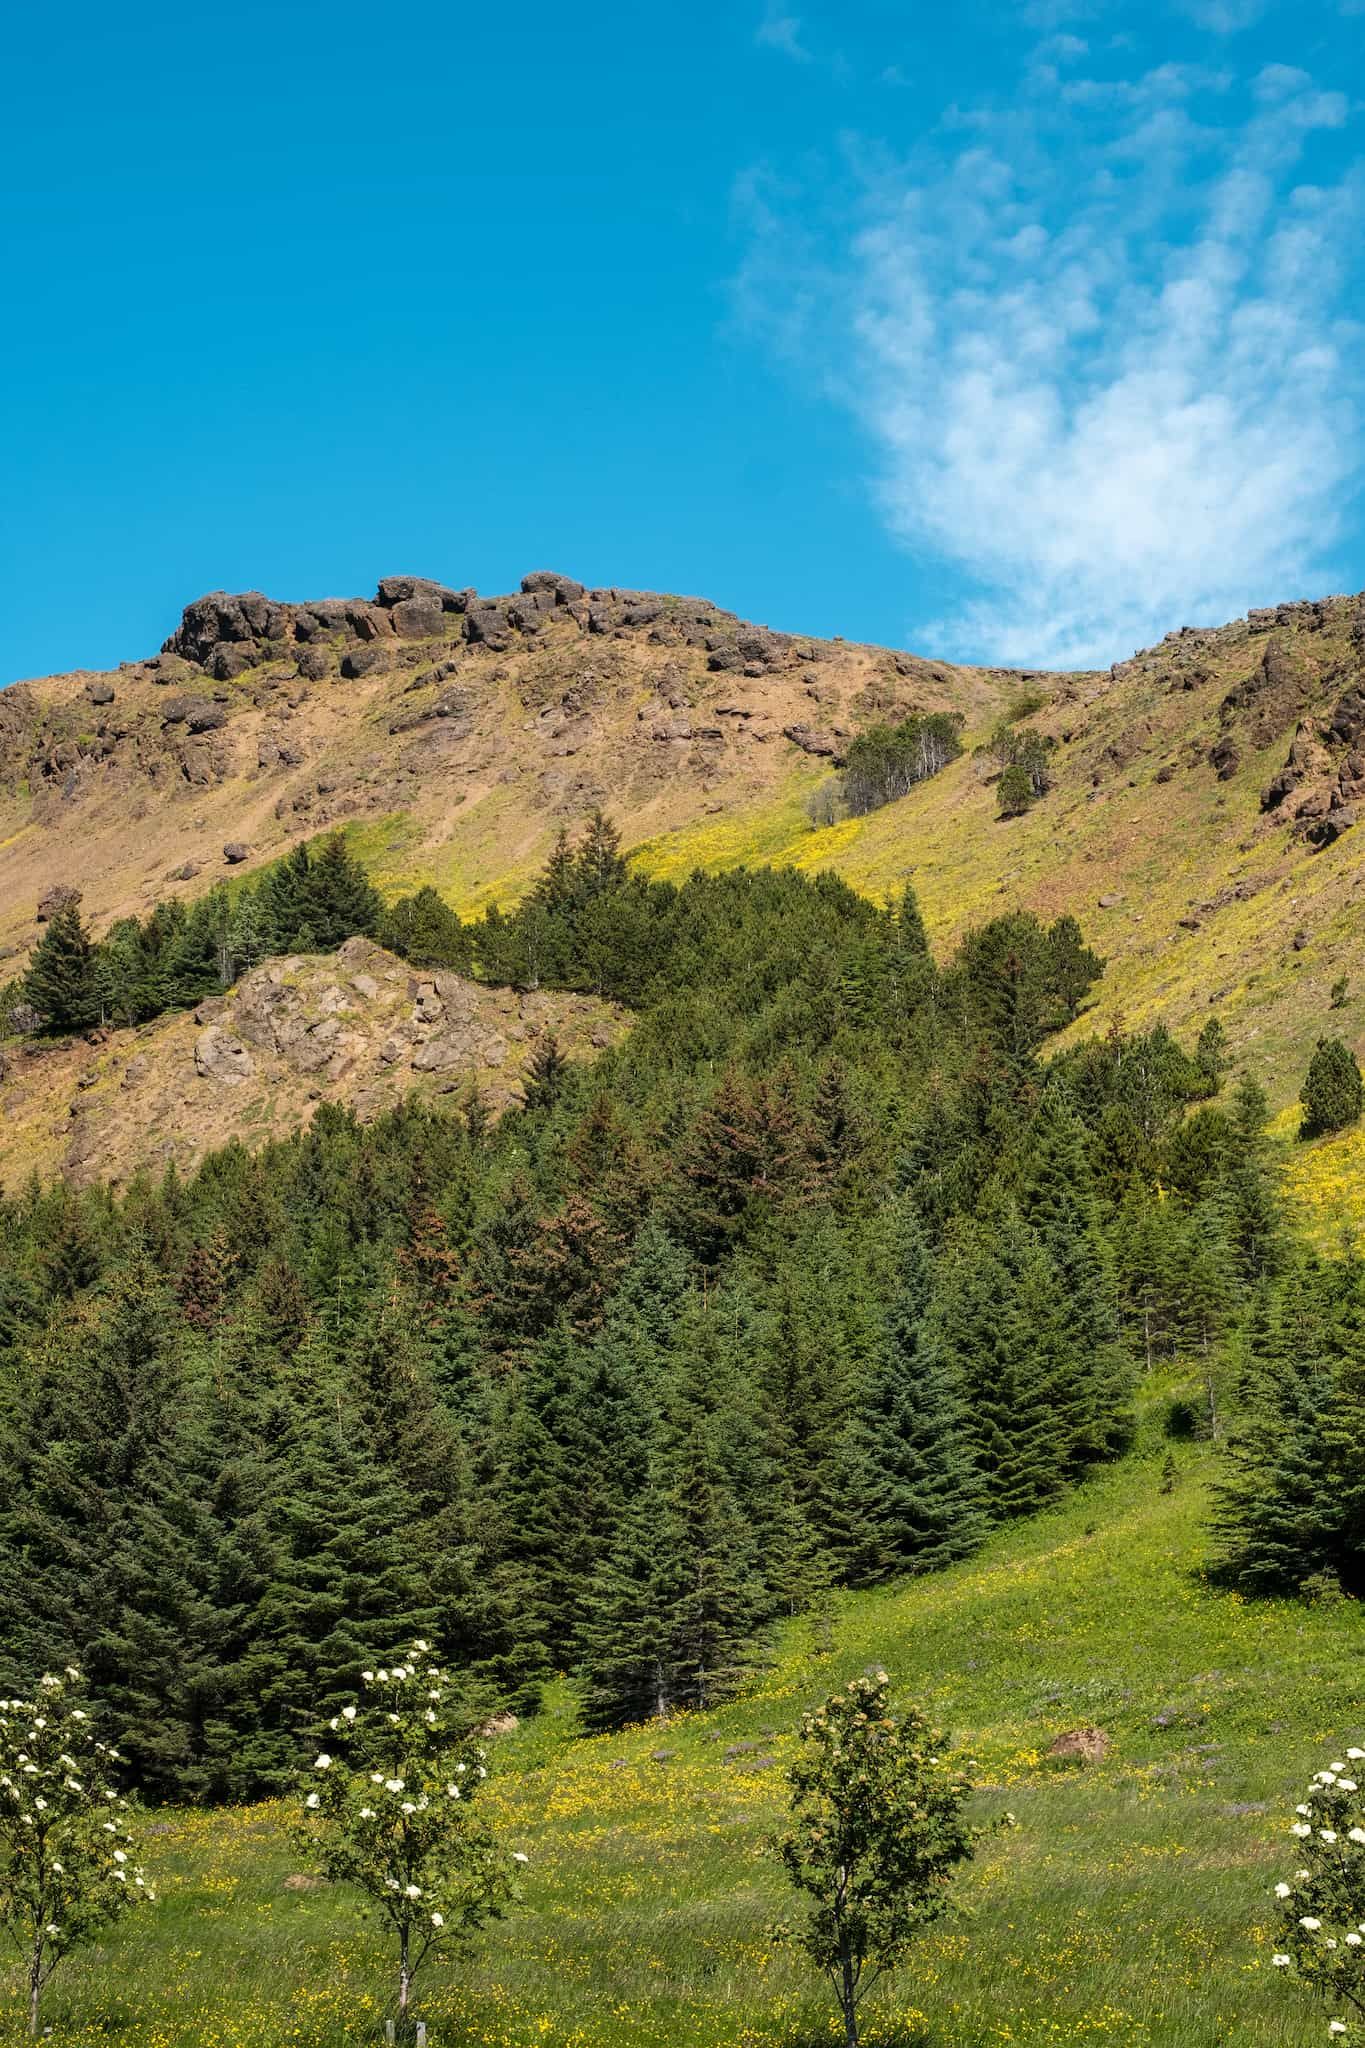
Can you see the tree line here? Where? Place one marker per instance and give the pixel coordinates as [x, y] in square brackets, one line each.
[312, 901]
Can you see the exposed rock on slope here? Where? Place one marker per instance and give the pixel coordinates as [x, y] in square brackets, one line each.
[357, 1027]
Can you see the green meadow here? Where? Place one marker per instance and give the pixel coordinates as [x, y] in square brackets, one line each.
[1130, 1903]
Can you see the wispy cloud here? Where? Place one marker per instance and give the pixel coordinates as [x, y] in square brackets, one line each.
[779, 31]
[1102, 353]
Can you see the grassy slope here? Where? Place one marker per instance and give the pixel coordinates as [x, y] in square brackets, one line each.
[1130, 1906]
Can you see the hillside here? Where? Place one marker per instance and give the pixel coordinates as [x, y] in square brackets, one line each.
[1132, 1904]
[1199, 828]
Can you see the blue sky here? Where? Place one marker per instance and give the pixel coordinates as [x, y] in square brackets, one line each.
[1017, 332]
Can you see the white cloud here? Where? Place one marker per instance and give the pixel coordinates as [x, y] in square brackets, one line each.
[1103, 359]
[779, 31]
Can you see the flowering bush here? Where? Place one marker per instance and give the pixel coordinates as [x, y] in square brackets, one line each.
[878, 1829]
[390, 1811]
[1322, 1933]
[66, 1851]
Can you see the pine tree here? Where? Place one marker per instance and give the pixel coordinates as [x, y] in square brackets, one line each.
[425, 931]
[1057, 1197]
[913, 1496]
[599, 864]
[61, 981]
[341, 901]
[623, 1648]
[543, 1079]
[1333, 1091]
[1280, 1514]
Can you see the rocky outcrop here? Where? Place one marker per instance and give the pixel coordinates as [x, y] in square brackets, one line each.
[357, 1027]
[218, 1056]
[1322, 782]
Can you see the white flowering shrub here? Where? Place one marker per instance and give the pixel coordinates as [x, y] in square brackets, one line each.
[66, 1851]
[390, 1809]
[1321, 1937]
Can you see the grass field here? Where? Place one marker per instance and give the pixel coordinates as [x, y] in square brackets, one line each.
[1130, 1905]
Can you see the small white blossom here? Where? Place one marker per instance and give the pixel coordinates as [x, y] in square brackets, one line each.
[438, 1920]
[312, 1800]
[1310, 1924]
[520, 1856]
[1280, 1962]
[413, 1891]
[348, 1713]
[323, 1762]
[1282, 1891]
[1300, 1827]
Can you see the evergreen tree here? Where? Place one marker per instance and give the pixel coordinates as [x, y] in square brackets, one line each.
[61, 981]
[544, 1076]
[913, 1491]
[424, 930]
[1333, 1092]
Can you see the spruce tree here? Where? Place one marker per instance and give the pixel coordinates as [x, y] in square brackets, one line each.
[62, 982]
[913, 1494]
[1333, 1091]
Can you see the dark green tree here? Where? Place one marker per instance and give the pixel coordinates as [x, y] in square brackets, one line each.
[1333, 1091]
[61, 982]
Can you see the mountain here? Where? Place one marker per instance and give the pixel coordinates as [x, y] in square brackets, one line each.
[1199, 825]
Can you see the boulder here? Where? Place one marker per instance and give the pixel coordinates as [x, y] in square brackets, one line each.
[363, 661]
[811, 742]
[222, 619]
[218, 1056]
[227, 662]
[488, 625]
[313, 664]
[417, 618]
[100, 693]
[370, 622]
[1224, 759]
[396, 590]
[235, 852]
[1333, 825]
